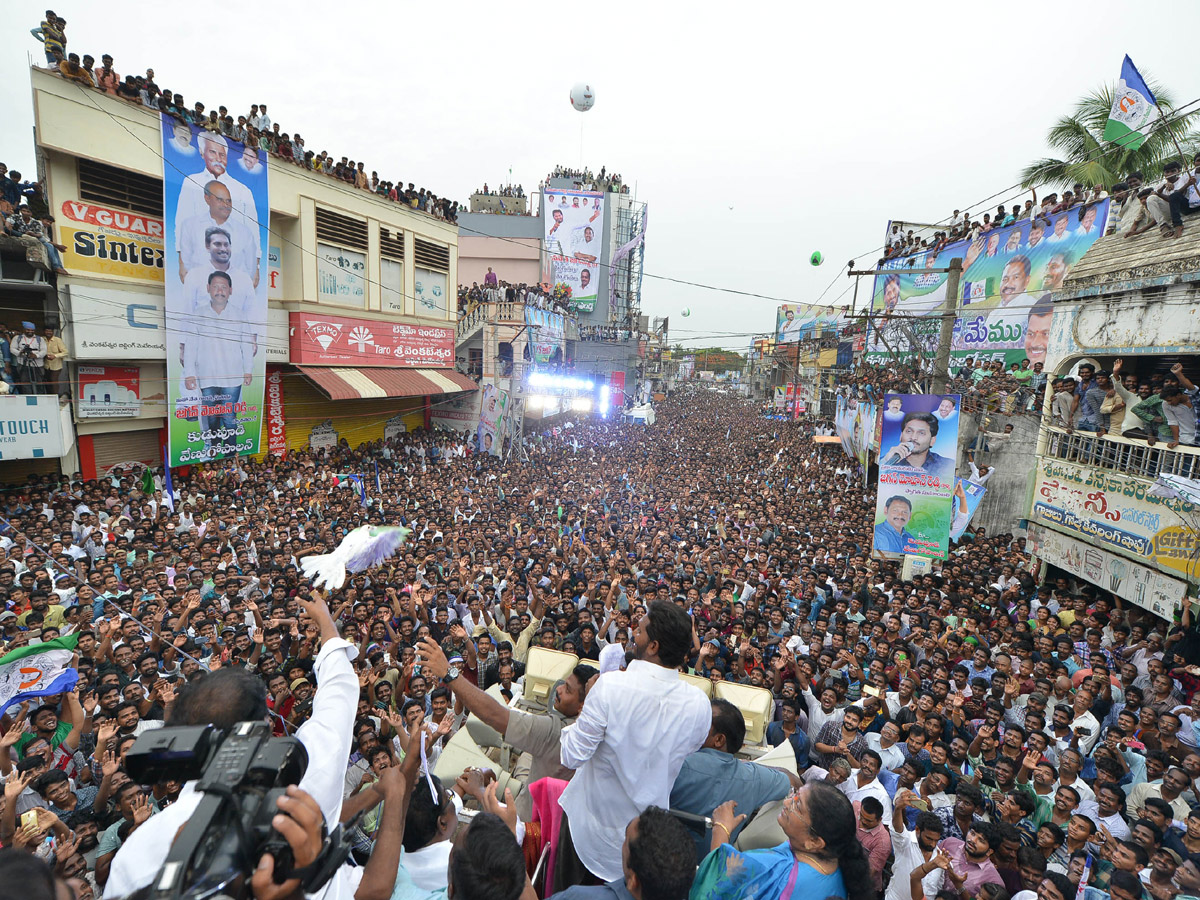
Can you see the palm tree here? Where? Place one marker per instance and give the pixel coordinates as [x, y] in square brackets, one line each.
[1088, 160]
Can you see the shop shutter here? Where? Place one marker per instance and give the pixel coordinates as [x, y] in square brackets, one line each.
[119, 447]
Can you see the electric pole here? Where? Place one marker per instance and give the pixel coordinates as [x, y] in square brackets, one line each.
[941, 366]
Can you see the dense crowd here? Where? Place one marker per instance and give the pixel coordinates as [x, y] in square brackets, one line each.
[969, 733]
[255, 128]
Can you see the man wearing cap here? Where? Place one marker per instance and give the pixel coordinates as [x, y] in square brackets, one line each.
[28, 359]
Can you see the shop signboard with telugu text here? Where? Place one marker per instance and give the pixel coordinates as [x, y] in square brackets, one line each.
[320, 339]
[1118, 512]
[216, 214]
[919, 443]
[1131, 581]
[276, 420]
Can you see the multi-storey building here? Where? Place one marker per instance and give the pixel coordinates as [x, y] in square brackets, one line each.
[351, 274]
[1093, 507]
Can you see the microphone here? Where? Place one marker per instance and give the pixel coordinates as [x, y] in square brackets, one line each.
[899, 453]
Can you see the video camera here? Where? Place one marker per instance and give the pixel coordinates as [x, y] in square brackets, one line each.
[240, 775]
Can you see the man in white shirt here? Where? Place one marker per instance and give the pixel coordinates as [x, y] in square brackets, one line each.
[912, 849]
[627, 747]
[326, 736]
[864, 782]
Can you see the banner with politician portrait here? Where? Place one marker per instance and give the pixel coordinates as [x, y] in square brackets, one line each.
[796, 321]
[216, 213]
[493, 406]
[574, 243]
[918, 446]
[1004, 306]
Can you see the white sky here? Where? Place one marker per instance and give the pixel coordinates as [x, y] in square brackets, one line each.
[816, 125]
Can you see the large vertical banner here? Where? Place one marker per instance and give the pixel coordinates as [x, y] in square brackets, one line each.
[491, 420]
[854, 422]
[215, 214]
[1004, 307]
[919, 442]
[574, 243]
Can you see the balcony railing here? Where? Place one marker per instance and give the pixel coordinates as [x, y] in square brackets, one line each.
[507, 313]
[1123, 455]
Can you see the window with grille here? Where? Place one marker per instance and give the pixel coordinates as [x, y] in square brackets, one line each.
[335, 228]
[391, 243]
[432, 256]
[110, 186]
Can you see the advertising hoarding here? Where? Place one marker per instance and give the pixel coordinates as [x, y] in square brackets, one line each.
[573, 241]
[111, 242]
[319, 339]
[216, 213]
[1117, 512]
[109, 392]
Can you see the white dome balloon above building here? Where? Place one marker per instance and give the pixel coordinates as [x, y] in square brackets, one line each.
[582, 97]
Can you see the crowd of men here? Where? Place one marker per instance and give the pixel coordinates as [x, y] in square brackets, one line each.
[587, 180]
[995, 736]
[255, 128]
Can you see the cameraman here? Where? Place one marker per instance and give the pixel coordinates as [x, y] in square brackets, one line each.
[28, 359]
[231, 695]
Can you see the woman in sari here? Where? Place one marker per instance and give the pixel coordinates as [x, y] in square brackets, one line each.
[821, 857]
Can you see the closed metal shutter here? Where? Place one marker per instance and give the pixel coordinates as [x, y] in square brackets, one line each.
[119, 447]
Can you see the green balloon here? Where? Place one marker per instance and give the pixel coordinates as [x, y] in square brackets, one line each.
[816, 259]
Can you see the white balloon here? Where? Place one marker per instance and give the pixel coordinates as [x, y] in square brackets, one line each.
[687, 311]
[582, 97]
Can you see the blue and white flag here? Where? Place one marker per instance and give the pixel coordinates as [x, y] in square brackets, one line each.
[1133, 106]
[168, 486]
[38, 670]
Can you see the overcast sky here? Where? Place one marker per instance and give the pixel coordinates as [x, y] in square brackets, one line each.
[755, 138]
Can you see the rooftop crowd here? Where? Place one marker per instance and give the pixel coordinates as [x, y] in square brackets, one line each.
[1139, 205]
[969, 733]
[587, 180]
[255, 128]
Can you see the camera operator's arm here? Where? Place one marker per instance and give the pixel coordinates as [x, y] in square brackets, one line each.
[299, 822]
[328, 732]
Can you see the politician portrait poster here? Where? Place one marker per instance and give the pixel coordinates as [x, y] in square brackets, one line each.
[216, 213]
[917, 452]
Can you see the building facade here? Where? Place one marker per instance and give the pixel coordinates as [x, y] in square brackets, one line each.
[353, 279]
[1093, 508]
